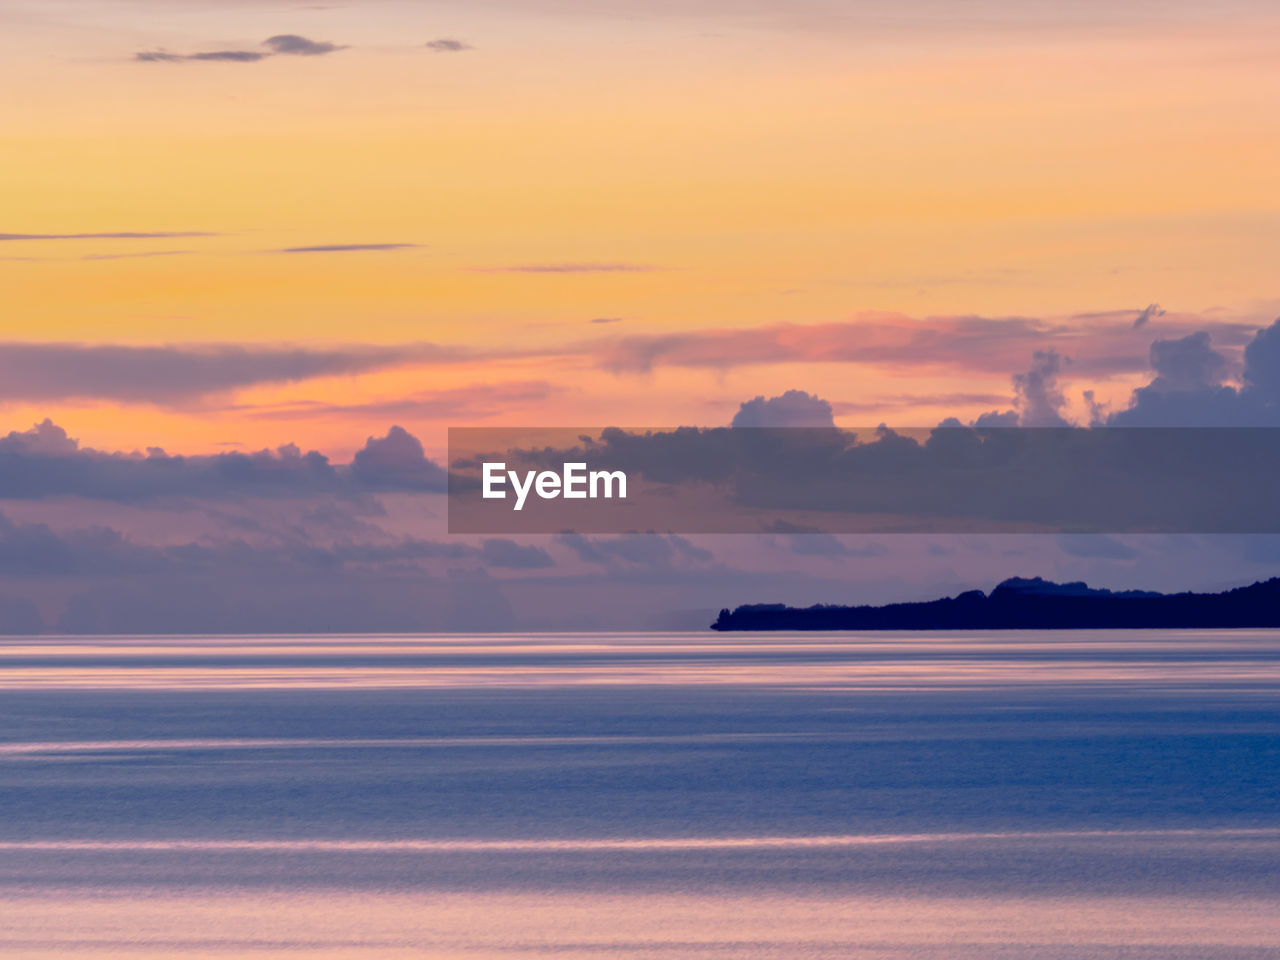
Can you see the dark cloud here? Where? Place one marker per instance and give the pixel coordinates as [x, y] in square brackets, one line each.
[1262, 365]
[795, 408]
[1190, 389]
[348, 247]
[113, 584]
[284, 44]
[397, 462]
[44, 462]
[105, 236]
[183, 373]
[1186, 365]
[448, 45]
[949, 479]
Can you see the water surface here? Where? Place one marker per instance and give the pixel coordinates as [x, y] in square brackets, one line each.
[1072, 795]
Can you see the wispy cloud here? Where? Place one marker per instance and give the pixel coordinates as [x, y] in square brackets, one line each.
[605, 320]
[121, 235]
[1147, 315]
[347, 247]
[448, 45]
[900, 400]
[281, 45]
[229, 56]
[181, 374]
[980, 344]
[473, 402]
[135, 256]
[572, 267]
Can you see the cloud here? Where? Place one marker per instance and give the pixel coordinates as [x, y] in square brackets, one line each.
[1102, 349]
[179, 374]
[104, 236]
[397, 462]
[579, 267]
[135, 256]
[1095, 546]
[294, 45]
[1152, 310]
[283, 44]
[227, 56]
[448, 45]
[45, 462]
[949, 479]
[916, 400]
[810, 542]
[514, 556]
[473, 402]
[795, 408]
[654, 551]
[1190, 389]
[1037, 397]
[19, 617]
[1262, 365]
[348, 247]
[605, 320]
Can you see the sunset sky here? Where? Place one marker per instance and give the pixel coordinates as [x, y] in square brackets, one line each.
[236, 225]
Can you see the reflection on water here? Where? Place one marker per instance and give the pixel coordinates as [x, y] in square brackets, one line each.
[996, 795]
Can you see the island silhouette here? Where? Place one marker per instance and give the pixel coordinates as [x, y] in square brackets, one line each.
[1028, 604]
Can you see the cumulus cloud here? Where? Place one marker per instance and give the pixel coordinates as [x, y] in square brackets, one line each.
[179, 374]
[1190, 385]
[1038, 398]
[44, 462]
[795, 408]
[397, 462]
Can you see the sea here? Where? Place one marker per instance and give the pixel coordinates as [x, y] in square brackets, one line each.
[1072, 795]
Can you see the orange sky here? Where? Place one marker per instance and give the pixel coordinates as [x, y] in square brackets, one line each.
[748, 169]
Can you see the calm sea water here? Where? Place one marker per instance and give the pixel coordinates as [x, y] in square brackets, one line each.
[1075, 795]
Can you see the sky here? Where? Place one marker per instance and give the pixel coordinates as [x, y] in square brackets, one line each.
[240, 226]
